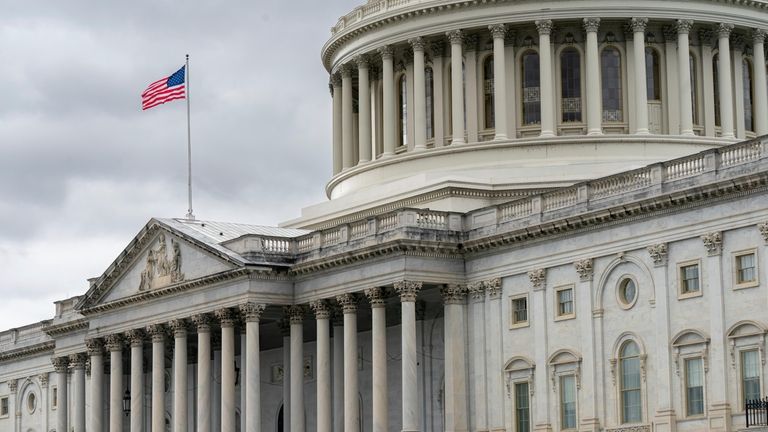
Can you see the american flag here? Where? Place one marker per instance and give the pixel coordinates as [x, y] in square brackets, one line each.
[164, 90]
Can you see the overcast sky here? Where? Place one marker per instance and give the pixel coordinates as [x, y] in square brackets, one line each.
[82, 168]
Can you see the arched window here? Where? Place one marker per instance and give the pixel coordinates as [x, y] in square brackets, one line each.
[490, 115]
[631, 392]
[652, 74]
[746, 69]
[610, 64]
[694, 87]
[402, 109]
[570, 85]
[531, 88]
[716, 81]
[430, 102]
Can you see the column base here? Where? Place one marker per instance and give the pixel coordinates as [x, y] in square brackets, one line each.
[720, 417]
[419, 148]
[547, 134]
[590, 425]
[500, 137]
[543, 427]
[728, 136]
[458, 142]
[665, 421]
[593, 132]
[642, 132]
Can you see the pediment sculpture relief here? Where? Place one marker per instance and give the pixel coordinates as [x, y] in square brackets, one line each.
[162, 268]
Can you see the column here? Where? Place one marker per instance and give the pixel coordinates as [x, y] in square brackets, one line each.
[546, 82]
[364, 109]
[594, 102]
[77, 361]
[252, 314]
[379, 358]
[323, 347]
[115, 348]
[738, 44]
[641, 91]
[589, 420]
[60, 365]
[457, 86]
[493, 327]
[437, 50]
[541, 419]
[179, 328]
[285, 330]
[408, 290]
[338, 371]
[337, 124]
[348, 303]
[203, 324]
[477, 320]
[683, 67]
[136, 339]
[499, 31]
[388, 89]
[157, 333]
[760, 100]
[346, 116]
[227, 321]
[296, 317]
[706, 40]
[724, 82]
[419, 94]
[470, 88]
[96, 352]
[455, 366]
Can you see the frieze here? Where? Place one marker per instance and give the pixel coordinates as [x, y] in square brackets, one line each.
[163, 267]
[636, 428]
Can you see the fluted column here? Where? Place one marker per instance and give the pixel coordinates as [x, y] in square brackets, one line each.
[346, 117]
[684, 81]
[338, 161]
[379, 358]
[323, 347]
[494, 323]
[179, 328]
[348, 303]
[338, 370]
[641, 91]
[419, 94]
[227, 322]
[77, 361]
[285, 330]
[408, 290]
[546, 82]
[60, 365]
[760, 100]
[457, 85]
[499, 32]
[203, 324]
[136, 340]
[724, 80]
[157, 332]
[115, 348]
[252, 314]
[296, 317]
[594, 119]
[388, 90]
[455, 366]
[477, 369]
[364, 107]
[96, 353]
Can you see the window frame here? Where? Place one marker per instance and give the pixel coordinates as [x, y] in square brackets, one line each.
[515, 419]
[623, 124]
[681, 266]
[616, 371]
[520, 78]
[741, 389]
[7, 401]
[684, 380]
[519, 324]
[488, 112]
[620, 298]
[519, 370]
[561, 400]
[735, 262]
[565, 316]
[54, 397]
[576, 124]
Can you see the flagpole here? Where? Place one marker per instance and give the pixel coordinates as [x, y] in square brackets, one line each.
[190, 214]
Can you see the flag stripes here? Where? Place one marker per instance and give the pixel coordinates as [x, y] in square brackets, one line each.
[165, 90]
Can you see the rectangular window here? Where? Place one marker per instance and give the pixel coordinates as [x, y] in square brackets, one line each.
[689, 279]
[745, 269]
[694, 386]
[520, 311]
[54, 397]
[564, 302]
[4, 407]
[631, 393]
[750, 375]
[522, 408]
[568, 402]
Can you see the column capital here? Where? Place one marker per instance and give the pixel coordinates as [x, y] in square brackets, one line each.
[346, 70]
[60, 364]
[493, 288]
[453, 294]
[763, 229]
[658, 253]
[683, 26]
[295, 313]
[362, 61]
[335, 79]
[706, 37]
[202, 322]
[584, 269]
[544, 27]
[135, 337]
[724, 30]
[408, 290]
[758, 36]
[156, 332]
[591, 25]
[13, 385]
[114, 342]
[179, 327]
[376, 296]
[437, 48]
[417, 43]
[470, 42]
[321, 308]
[386, 52]
[476, 291]
[713, 242]
[94, 346]
[348, 302]
[252, 311]
[226, 317]
[455, 37]
[638, 24]
[538, 278]
[77, 361]
[43, 378]
[498, 31]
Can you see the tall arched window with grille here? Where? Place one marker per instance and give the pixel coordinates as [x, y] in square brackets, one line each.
[531, 88]
[694, 88]
[430, 101]
[631, 389]
[746, 70]
[610, 65]
[402, 110]
[489, 113]
[716, 82]
[652, 74]
[570, 85]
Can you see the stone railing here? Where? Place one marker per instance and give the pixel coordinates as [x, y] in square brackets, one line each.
[373, 9]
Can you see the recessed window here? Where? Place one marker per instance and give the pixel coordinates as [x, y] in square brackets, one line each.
[694, 387]
[610, 60]
[627, 293]
[520, 311]
[630, 388]
[745, 269]
[4, 407]
[570, 85]
[531, 88]
[750, 375]
[568, 402]
[522, 408]
[564, 307]
[31, 403]
[54, 397]
[688, 279]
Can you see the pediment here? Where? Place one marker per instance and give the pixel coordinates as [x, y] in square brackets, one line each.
[157, 258]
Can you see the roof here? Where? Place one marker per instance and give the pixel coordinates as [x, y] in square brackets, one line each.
[221, 232]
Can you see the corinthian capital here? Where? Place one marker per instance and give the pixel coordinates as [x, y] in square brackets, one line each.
[417, 43]
[348, 302]
[638, 24]
[658, 253]
[322, 309]
[538, 278]
[763, 228]
[408, 290]
[758, 36]
[375, 296]
[115, 342]
[386, 52]
[453, 294]
[476, 291]
[179, 327]
[498, 31]
[295, 314]
[683, 26]
[156, 332]
[713, 242]
[60, 364]
[455, 37]
[544, 27]
[362, 61]
[584, 269]
[591, 25]
[724, 30]
[95, 346]
[493, 288]
[252, 311]
[226, 317]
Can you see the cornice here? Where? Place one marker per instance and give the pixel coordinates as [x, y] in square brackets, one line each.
[42, 347]
[66, 327]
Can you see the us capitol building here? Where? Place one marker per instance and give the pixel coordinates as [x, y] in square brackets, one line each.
[543, 216]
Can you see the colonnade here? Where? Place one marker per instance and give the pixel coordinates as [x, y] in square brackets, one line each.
[351, 149]
[227, 318]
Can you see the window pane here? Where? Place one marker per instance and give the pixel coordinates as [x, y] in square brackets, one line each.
[747, 82]
[694, 86]
[750, 375]
[520, 310]
[746, 268]
[653, 77]
[565, 302]
[403, 106]
[631, 407]
[690, 278]
[611, 85]
[531, 89]
[430, 89]
[715, 79]
[522, 413]
[488, 88]
[694, 377]
[568, 401]
[570, 77]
